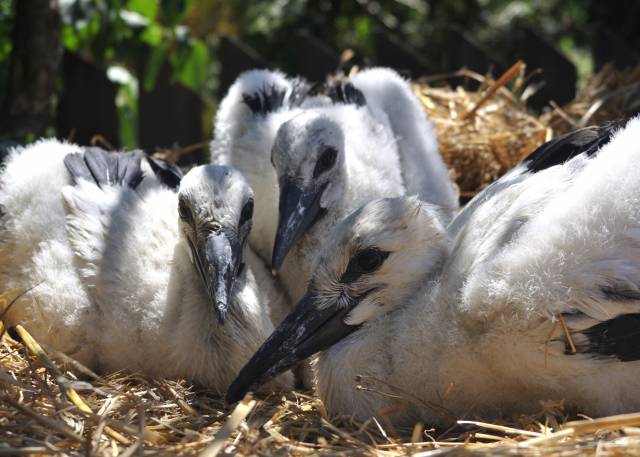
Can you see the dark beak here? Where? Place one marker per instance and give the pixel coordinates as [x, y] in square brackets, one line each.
[298, 209]
[218, 260]
[307, 330]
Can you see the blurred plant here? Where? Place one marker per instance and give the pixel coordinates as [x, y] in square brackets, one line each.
[133, 39]
[563, 22]
[126, 104]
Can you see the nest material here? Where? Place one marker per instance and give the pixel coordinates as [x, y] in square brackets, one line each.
[482, 133]
[609, 95]
[481, 147]
[127, 414]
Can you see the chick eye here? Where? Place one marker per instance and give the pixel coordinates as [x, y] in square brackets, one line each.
[247, 212]
[370, 260]
[183, 210]
[326, 161]
[364, 262]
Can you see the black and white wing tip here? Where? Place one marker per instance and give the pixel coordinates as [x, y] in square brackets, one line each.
[587, 140]
[342, 91]
[618, 337]
[105, 168]
[166, 172]
[271, 97]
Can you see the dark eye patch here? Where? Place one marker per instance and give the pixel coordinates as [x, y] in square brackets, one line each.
[247, 212]
[326, 161]
[364, 262]
[183, 210]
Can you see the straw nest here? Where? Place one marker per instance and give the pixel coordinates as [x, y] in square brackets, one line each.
[50, 404]
[46, 409]
[485, 132]
[609, 95]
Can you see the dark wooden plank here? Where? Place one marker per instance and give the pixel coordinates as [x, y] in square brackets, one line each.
[558, 72]
[170, 115]
[313, 59]
[87, 103]
[464, 51]
[235, 57]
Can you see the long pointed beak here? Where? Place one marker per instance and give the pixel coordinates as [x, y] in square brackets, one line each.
[298, 209]
[218, 261]
[307, 330]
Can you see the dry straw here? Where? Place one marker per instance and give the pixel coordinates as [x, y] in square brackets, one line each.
[609, 95]
[483, 133]
[162, 417]
[52, 405]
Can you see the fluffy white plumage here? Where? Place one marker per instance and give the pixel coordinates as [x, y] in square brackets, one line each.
[469, 324]
[392, 102]
[113, 276]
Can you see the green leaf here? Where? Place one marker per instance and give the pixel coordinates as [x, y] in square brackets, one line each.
[148, 8]
[87, 32]
[5, 50]
[191, 64]
[172, 12]
[152, 35]
[70, 39]
[363, 32]
[126, 104]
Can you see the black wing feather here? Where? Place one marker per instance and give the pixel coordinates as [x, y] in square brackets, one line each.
[266, 100]
[271, 98]
[167, 172]
[77, 167]
[102, 165]
[587, 140]
[105, 168]
[129, 171]
[618, 337]
[340, 91]
[300, 91]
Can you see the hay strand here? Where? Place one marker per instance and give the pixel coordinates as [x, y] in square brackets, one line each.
[508, 75]
[240, 413]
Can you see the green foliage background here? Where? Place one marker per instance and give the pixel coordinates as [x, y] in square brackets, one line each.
[118, 35]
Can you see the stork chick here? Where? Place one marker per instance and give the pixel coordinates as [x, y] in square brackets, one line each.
[533, 295]
[373, 141]
[139, 276]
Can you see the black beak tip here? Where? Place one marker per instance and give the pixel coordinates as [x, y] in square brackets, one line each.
[234, 394]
